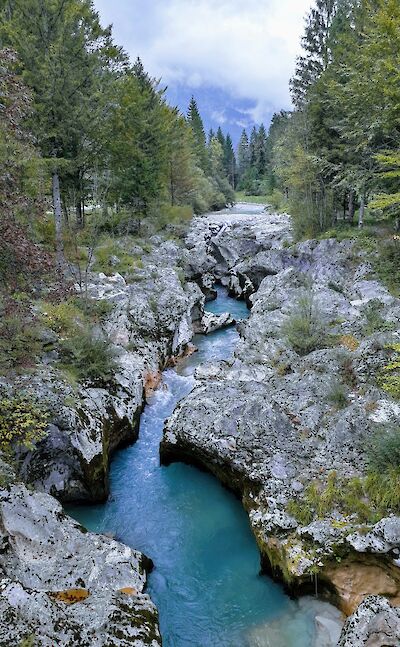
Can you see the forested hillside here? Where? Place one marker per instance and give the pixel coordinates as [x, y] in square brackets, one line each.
[82, 126]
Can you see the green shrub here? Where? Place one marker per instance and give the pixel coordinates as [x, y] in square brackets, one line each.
[384, 449]
[94, 309]
[389, 378]
[168, 214]
[375, 321]
[304, 328]
[62, 318]
[338, 396]
[91, 359]
[103, 258]
[383, 490]
[387, 264]
[277, 201]
[301, 511]
[19, 342]
[22, 422]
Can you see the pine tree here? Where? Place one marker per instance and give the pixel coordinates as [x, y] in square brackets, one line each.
[253, 147]
[316, 44]
[138, 136]
[243, 155]
[229, 161]
[261, 154]
[196, 123]
[221, 137]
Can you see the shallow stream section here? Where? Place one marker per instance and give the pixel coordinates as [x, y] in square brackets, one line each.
[206, 582]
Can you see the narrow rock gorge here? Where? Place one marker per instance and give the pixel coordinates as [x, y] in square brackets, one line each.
[285, 423]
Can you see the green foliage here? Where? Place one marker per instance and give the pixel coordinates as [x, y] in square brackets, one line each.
[173, 215]
[383, 489]
[29, 641]
[346, 496]
[375, 321]
[19, 341]
[384, 449]
[90, 359]
[63, 318]
[277, 201]
[389, 378]
[304, 327]
[22, 422]
[104, 261]
[301, 511]
[387, 264]
[199, 138]
[338, 396]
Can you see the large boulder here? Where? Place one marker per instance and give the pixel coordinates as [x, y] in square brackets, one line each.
[60, 585]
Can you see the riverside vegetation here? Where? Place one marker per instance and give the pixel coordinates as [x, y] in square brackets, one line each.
[103, 278]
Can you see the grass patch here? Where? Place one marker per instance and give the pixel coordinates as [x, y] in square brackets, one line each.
[368, 499]
[111, 257]
[384, 449]
[88, 358]
[304, 328]
[338, 396]
[389, 378]
[375, 321]
[19, 341]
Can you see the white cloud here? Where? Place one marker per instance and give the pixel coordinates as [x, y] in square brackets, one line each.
[245, 47]
[219, 116]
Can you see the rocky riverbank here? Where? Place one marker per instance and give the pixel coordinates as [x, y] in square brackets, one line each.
[60, 584]
[288, 426]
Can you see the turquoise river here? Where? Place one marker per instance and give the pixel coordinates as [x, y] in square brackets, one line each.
[206, 580]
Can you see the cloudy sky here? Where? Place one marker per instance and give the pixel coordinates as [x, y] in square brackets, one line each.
[235, 56]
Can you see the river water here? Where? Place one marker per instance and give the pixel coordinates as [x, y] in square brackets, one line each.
[206, 582]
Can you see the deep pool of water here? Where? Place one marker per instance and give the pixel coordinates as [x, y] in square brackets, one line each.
[206, 582]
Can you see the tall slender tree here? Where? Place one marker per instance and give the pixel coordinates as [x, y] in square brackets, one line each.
[196, 123]
[229, 161]
[243, 155]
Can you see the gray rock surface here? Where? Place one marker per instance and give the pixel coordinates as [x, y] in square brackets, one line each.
[60, 585]
[211, 322]
[151, 321]
[374, 624]
[272, 421]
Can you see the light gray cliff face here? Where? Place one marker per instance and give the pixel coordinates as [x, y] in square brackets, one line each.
[151, 320]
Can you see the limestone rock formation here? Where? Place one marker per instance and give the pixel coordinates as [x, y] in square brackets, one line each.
[287, 427]
[60, 585]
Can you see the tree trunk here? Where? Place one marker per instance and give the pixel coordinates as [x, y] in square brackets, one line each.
[361, 212]
[79, 215]
[352, 207]
[58, 220]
